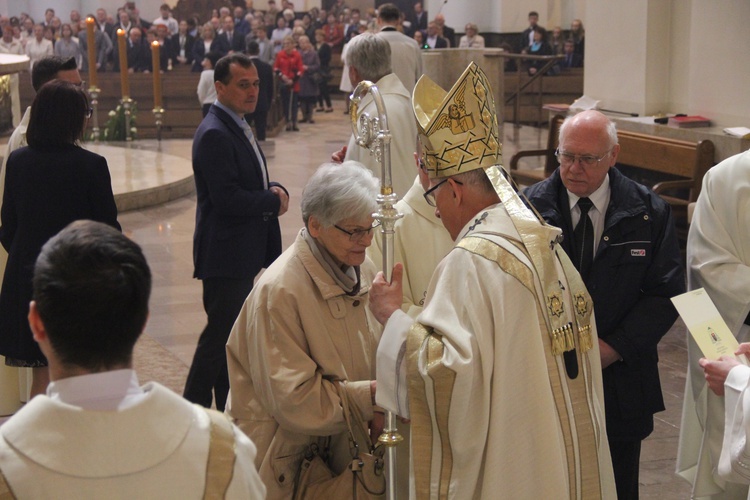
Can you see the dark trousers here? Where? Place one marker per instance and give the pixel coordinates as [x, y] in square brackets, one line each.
[222, 299]
[325, 94]
[290, 108]
[258, 120]
[626, 457]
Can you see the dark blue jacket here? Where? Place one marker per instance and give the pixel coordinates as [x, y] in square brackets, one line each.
[236, 222]
[636, 269]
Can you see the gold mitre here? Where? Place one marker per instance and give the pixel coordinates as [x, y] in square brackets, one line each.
[458, 129]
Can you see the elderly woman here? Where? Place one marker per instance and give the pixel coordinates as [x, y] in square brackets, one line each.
[288, 65]
[305, 332]
[471, 40]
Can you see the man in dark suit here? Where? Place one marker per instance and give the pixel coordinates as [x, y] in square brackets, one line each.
[102, 24]
[572, 60]
[139, 55]
[236, 229]
[434, 40]
[352, 28]
[265, 95]
[182, 45]
[527, 37]
[234, 38]
[447, 32]
[124, 24]
[418, 18]
[621, 237]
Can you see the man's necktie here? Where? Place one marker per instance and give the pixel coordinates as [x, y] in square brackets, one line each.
[584, 239]
[251, 138]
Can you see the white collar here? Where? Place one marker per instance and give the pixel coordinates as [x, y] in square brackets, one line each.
[600, 197]
[112, 390]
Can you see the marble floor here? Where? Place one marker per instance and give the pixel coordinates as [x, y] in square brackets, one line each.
[177, 317]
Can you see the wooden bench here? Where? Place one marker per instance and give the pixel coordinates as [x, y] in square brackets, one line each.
[180, 101]
[684, 163]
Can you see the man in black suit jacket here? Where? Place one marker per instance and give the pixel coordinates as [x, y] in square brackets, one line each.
[572, 60]
[418, 18]
[265, 73]
[139, 55]
[447, 32]
[236, 225]
[234, 38]
[182, 45]
[633, 270]
[102, 24]
[434, 40]
[527, 37]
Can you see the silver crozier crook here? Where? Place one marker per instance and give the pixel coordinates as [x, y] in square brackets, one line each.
[372, 134]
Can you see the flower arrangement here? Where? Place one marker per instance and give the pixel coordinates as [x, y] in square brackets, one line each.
[114, 129]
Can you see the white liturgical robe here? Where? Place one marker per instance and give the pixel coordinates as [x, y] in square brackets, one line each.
[494, 413]
[718, 259]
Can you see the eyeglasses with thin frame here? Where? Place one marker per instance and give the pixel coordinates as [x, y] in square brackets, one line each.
[586, 161]
[358, 234]
[429, 195]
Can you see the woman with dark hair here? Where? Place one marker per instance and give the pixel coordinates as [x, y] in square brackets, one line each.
[48, 185]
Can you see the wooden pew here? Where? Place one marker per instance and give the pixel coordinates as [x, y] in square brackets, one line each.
[182, 110]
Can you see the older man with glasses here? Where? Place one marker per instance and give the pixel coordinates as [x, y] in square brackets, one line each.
[621, 237]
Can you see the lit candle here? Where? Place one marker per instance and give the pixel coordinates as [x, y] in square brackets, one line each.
[123, 54]
[157, 73]
[91, 40]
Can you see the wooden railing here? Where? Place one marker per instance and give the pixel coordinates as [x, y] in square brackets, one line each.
[182, 109]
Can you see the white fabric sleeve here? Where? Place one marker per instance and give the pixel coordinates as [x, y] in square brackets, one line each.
[734, 463]
[392, 389]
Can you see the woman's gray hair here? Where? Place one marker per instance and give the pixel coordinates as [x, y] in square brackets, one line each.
[370, 55]
[340, 191]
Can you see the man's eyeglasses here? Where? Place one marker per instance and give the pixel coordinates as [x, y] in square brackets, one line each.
[586, 161]
[429, 195]
[358, 234]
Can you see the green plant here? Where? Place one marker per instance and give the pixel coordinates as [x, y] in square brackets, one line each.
[114, 129]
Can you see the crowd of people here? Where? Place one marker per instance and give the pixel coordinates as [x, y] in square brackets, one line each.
[499, 322]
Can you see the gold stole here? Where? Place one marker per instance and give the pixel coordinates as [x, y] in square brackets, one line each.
[573, 398]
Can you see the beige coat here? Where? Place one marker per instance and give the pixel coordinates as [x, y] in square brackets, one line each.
[297, 333]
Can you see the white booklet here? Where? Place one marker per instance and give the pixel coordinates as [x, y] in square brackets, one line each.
[742, 132]
[706, 325]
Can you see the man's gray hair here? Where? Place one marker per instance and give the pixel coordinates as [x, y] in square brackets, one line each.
[337, 192]
[611, 131]
[370, 55]
[477, 177]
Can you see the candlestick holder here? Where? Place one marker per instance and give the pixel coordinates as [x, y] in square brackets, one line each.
[158, 115]
[94, 93]
[127, 103]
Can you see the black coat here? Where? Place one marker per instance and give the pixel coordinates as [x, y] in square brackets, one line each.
[139, 57]
[265, 94]
[175, 46]
[45, 190]
[218, 44]
[236, 223]
[636, 270]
